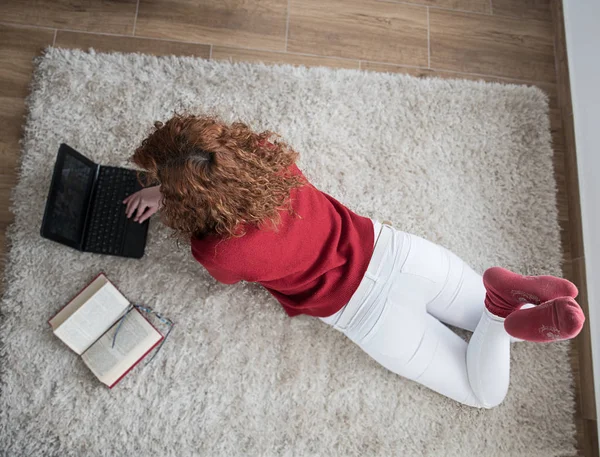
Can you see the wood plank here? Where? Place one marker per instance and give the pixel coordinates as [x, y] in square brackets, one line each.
[111, 43]
[531, 9]
[3, 256]
[18, 46]
[477, 6]
[360, 29]
[257, 24]
[590, 431]
[8, 180]
[565, 105]
[12, 116]
[584, 347]
[562, 203]
[109, 16]
[492, 45]
[246, 55]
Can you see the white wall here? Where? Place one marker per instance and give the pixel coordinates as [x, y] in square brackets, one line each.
[582, 23]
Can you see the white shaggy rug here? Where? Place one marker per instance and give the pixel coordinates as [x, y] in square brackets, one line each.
[465, 164]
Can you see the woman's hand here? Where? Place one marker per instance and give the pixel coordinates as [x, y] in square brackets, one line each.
[146, 202]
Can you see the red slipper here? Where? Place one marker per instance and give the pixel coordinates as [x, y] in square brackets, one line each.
[507, 291]
[557, 319]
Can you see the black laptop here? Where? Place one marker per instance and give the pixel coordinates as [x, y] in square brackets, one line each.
[85, 207]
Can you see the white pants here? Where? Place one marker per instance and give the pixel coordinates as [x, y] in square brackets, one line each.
[397, 315]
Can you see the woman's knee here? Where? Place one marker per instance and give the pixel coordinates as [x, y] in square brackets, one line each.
[491, 402]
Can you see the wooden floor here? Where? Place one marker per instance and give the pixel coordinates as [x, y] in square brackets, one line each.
[510, 41]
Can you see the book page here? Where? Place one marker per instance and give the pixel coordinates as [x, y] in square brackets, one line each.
[136, 336]
[92, 319]
[79, 300]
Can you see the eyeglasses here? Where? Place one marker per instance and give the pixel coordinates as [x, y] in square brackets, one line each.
[150, 311]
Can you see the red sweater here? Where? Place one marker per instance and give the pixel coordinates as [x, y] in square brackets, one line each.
[312, 264]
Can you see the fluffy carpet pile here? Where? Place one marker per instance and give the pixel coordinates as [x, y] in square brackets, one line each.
[465, 164]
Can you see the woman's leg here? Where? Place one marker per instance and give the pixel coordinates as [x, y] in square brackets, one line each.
[412, 343]
[455, 292]
[461, 300]
[409, 341]
[396, 326]
[488, 360]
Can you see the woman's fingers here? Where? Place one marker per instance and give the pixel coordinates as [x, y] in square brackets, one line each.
[141, 207]
[145, 215]
[131, 198]
[133, 205]
[129, 201]
[129, 208]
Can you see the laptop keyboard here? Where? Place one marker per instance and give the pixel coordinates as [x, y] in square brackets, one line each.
[106, 229]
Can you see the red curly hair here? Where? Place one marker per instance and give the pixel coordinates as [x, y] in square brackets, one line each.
[215, 177]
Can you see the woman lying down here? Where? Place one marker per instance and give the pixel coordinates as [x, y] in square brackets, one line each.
[249, 213]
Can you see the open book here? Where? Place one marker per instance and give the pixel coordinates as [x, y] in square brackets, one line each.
[87, 324]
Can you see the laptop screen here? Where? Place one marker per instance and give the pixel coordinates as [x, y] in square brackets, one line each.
[69, 197]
